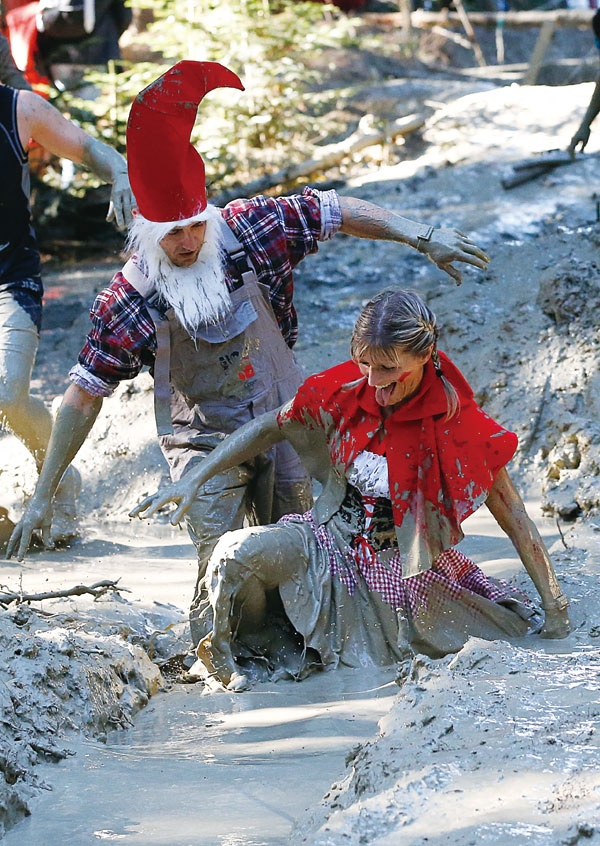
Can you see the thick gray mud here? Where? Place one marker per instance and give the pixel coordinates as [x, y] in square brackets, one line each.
[525, 335]
[497, 744]
[227, 769]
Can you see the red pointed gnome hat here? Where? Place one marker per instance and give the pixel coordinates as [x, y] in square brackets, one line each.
[165, 170]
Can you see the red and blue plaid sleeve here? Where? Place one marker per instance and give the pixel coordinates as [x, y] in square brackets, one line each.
[121, 341]
[278, 233]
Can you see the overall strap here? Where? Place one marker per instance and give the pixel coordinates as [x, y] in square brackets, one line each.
[138, 280]
[162, 361]
[237, 254]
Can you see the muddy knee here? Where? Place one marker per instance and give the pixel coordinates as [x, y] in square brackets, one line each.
[12, 400]
[233, 563]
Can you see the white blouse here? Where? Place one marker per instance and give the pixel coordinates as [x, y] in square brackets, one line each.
[369, 474]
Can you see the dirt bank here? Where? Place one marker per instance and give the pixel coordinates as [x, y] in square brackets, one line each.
[87, 669]
[497, 744]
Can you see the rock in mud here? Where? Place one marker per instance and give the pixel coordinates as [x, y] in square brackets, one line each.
[570, 292]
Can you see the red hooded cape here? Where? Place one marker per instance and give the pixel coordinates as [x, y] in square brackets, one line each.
[440, 471]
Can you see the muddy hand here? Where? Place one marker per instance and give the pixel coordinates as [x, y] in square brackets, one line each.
[556, 623]
[181, 492]
[37, 516]
[122, 201]
[581, 137]
[448, 245]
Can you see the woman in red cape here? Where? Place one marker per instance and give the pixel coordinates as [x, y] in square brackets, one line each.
[404, 455]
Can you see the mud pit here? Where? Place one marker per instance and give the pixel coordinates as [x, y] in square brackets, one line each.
[524, 335]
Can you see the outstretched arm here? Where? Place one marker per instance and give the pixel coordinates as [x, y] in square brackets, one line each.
[73, 422]
[441, 246]
[37, 119]
[508, 509]
[249, 440]
[582, 136]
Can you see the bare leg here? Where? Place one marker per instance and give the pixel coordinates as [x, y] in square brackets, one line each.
[266, 555]
[508, 509]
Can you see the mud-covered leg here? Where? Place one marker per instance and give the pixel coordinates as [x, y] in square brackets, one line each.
[268, 555]
[27, 417]
[220, 506]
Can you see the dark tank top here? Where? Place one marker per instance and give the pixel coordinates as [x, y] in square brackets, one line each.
[19, 257]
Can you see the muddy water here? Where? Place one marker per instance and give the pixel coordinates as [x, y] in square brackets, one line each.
[217, 769]
[223, 769]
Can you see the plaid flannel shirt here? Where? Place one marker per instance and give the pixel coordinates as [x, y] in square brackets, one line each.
[276, 233]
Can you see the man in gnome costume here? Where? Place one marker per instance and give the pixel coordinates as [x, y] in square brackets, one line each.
[206, 300]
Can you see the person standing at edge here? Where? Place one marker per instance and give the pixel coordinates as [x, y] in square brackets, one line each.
[582, 136]
[24, 116]
[207, 300]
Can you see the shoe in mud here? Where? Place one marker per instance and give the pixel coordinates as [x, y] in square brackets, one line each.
[65, 524]
[194, 674]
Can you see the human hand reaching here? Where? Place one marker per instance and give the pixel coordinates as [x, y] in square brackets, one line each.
[181, 492]
[449, 245]
[122, 201]
[37, 517]
[581, 137]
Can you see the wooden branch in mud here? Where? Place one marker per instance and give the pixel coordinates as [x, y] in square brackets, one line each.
[452, 36]
[465, 20]
[511, 20]
[560, 532]
[326, 157]
[95, 590]
[520, 177]
[539, 51]
[514, 72]
[538, 417]
[537, 166]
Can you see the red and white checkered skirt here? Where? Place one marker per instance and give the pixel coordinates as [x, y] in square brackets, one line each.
[452, 571]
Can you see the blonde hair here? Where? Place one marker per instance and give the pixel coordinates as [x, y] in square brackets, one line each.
[399, 321]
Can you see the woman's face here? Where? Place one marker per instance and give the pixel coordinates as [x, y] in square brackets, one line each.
[395, 376]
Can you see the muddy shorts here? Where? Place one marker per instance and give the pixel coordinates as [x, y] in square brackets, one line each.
[18, 333]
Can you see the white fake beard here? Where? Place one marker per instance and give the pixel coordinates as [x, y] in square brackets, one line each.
[197, 294]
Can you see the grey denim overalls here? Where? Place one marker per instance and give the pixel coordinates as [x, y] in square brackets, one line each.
[206, 388]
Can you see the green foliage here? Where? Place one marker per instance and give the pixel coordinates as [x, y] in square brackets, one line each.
[273, 47]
